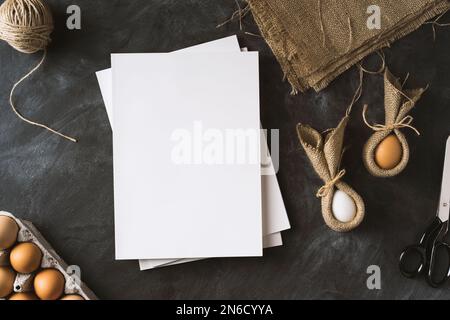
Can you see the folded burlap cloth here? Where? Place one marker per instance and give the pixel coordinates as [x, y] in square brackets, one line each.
[325, 157]
[316, 40]
[397, 104]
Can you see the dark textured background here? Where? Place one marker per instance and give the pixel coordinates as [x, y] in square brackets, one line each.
[66, 189]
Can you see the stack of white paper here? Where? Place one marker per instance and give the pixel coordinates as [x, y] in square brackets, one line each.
[187, 167]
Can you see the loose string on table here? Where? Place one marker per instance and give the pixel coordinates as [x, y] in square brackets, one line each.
[434, 23]
[240, 13]
[358, 93]
[11, 102]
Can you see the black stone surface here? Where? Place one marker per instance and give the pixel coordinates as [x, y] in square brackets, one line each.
[66, 189]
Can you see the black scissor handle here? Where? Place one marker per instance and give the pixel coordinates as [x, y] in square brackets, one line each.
[439, 265]
[415, 258]
[412, 261]
[438, 257]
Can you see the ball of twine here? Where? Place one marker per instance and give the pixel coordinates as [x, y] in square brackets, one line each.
[26, 24]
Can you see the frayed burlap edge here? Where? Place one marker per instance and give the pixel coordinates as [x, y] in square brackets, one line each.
[279, 41]
[324, 78]
[285, 50]
[325, 158]
[397, 107]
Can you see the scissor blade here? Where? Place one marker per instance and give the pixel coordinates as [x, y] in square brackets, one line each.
[444, 202]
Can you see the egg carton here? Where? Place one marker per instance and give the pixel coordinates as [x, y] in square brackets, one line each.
[50, 259]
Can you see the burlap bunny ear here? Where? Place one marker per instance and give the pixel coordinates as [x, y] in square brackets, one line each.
[397, 104]
[326, 159]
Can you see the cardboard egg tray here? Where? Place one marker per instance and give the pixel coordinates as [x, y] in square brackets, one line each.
[50, 259]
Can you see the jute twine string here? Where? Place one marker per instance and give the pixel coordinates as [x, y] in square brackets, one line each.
[358, 93]
[382, 56]
[240, 14]
[403, 123]
[26, 25]
[327, 187]
[434, 23]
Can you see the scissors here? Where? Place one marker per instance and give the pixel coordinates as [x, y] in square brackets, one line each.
[431, 255]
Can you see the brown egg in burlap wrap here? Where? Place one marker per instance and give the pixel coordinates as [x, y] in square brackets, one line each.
[397, 103]
[325, 157]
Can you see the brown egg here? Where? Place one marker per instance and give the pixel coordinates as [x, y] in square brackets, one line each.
[23, 296]
[72, 297]
[49, 284]
[7, 277]
[388, 153]
[25, 257]
[8, 232]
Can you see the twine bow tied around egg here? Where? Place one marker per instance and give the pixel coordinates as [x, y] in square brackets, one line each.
[26, 25]
[323, 191]
[325, 158]
[386, 153]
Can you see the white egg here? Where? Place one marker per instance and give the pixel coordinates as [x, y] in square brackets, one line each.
[344, 208]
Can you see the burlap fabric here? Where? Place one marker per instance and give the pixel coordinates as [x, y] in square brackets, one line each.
[325, 157]
[316, 40]
[397, 104]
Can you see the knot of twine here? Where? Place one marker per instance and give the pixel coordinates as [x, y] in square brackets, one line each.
[325, 189]
[26, 25]
[403, 123]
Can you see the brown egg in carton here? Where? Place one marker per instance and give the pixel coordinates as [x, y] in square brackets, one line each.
[23, 283]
